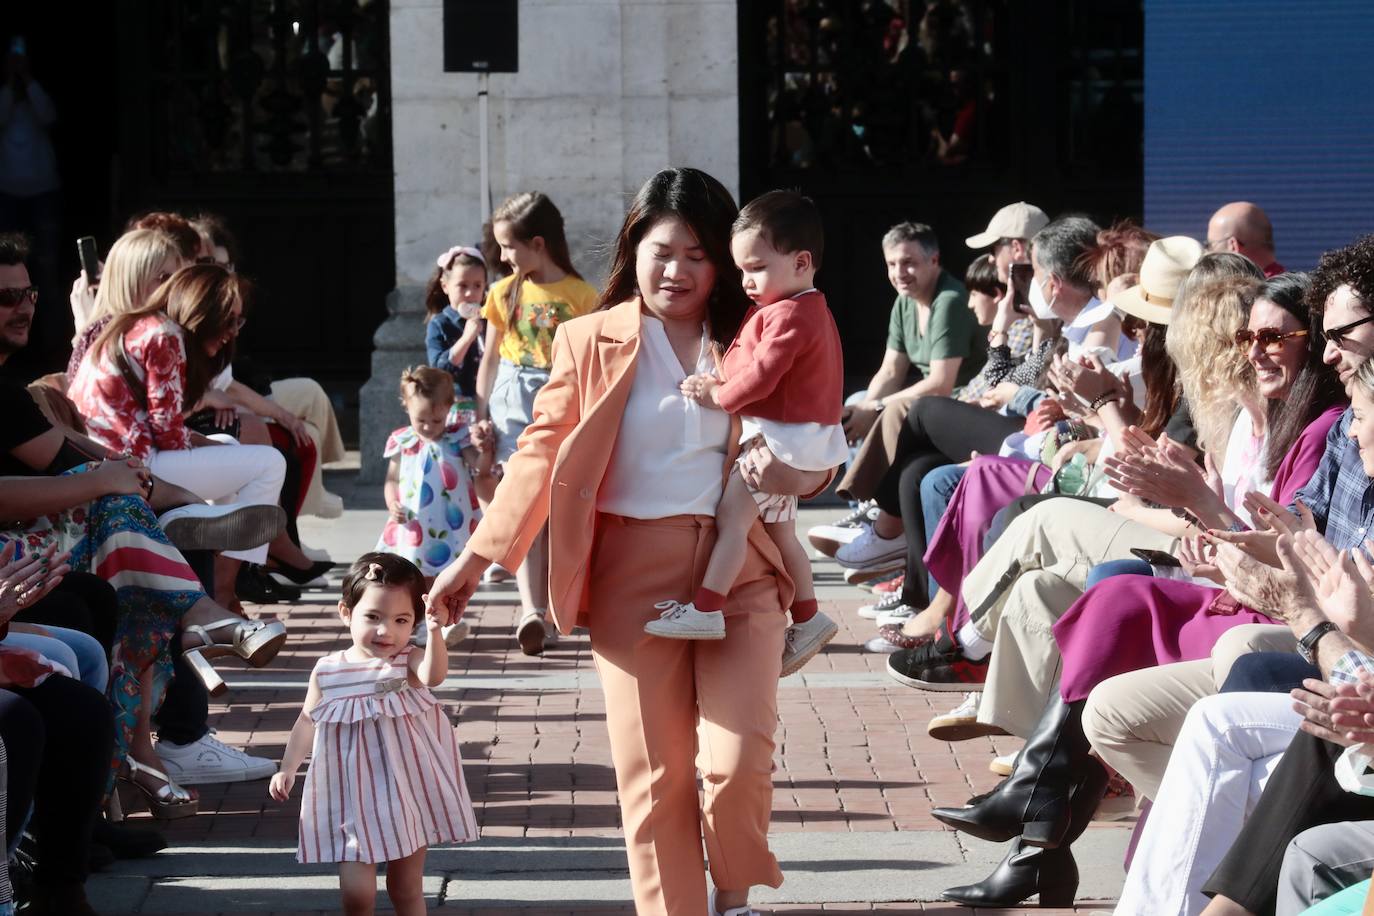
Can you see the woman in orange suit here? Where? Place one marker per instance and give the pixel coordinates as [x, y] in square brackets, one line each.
[627, 472]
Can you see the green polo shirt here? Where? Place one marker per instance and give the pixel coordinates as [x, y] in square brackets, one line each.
[951, 332]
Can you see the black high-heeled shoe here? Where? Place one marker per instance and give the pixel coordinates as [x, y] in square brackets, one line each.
[1027, 870]
[1033, 802]
[304, 578]
[1024, 872]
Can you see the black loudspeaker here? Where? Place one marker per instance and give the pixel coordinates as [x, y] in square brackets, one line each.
[481, 36]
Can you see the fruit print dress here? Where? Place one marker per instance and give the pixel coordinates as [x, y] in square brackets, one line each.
[436, 493]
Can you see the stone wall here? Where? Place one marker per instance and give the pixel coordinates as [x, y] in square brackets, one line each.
[609, 92]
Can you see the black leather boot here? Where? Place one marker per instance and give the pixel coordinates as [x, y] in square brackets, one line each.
[1033, 802]
[1026, 870]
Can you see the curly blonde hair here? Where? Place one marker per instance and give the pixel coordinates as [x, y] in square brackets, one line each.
[1215, 375]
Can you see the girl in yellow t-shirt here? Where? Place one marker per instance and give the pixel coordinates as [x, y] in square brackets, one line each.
[522, 312]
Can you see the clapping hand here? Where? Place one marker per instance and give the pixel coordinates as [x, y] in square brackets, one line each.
[1340, 713]
[1339, 581]
[1197, 556]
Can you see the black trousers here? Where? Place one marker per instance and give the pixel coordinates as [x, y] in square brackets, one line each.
[58, 737]
[82, 601]
[1301, 793]
[938, 431]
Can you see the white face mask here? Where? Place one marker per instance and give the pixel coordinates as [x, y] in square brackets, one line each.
[1038, 305]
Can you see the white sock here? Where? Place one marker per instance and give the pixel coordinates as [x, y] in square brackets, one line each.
[975, 647]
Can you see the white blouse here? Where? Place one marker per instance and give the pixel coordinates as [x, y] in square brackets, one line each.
[669, 456]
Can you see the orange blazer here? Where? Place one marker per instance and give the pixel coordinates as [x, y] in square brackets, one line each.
[562, 458]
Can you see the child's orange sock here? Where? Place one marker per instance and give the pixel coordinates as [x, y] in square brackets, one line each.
[802, 611]
[707, 600]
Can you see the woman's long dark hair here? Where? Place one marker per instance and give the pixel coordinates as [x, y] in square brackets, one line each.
[708, 210]
[1317, 386]
[1162, 392]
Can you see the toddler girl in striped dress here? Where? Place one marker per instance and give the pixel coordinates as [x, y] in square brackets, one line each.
[385, 779]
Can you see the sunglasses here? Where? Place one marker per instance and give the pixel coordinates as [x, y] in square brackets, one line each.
[1338, 335]
[1270, 340]
[13, 295]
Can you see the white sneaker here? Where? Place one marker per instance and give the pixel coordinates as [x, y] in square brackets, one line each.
[828, 538]
[684, 621]
[881, 646]
[210, 760]
[454, 633]
[803, 640]
[530, 632]
[961, 723]
[882, 606]
[898, 615]
[870, 552]
[231, 527]
[734, 911]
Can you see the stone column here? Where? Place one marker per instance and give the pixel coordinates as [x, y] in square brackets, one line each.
[396, 344]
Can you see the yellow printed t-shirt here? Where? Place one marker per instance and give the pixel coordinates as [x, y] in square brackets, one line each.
[543, 306]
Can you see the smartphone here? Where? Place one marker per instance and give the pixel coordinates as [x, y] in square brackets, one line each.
[1155, 557]
[90, 259]
[1020, 287]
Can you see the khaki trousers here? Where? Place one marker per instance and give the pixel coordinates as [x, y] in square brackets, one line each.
[876, 453]
[1132, 720]
[1034, 572]
[674, 707]
[305, 399]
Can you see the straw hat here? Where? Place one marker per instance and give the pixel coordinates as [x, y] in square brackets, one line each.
[1166, 263]
[1014, 221]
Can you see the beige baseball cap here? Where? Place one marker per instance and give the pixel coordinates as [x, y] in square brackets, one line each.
[1014, 221]
[1167, 262]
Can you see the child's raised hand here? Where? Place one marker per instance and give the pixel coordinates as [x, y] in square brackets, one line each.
[699, 388]
[280, 787]
[483, 436]
[434, 617]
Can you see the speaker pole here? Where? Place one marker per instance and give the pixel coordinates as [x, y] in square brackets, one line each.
[484, 168]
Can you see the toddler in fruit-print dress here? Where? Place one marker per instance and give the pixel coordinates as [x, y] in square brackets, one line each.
[437, 471]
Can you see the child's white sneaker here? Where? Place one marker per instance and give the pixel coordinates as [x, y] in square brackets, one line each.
[803, 640]
[684, 621]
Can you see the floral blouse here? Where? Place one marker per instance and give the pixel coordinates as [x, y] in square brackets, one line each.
[143, 422]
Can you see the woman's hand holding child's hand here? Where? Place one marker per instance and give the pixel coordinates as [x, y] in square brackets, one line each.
[435, 618]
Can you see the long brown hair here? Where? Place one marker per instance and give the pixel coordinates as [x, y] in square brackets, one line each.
[708, 210]
[528, 215]
[201, 299]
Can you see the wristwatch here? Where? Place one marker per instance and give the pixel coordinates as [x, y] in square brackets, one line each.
[1307, 646]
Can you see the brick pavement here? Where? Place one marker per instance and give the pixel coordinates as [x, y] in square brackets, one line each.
[853, 754]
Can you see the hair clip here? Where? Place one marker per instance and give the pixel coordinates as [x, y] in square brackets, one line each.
[374, 572]
[457, 250]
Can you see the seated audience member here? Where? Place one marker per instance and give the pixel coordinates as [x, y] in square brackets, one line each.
[94, 506]
[299, 406]
[1244, 228]
[137, 263]
[931, 330]
[147, 367]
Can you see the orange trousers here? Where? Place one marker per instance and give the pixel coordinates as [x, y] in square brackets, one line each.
[674, 707]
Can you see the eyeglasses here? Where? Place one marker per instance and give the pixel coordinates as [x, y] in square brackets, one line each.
[1269, 340]
[1338, 335]
[13, 295]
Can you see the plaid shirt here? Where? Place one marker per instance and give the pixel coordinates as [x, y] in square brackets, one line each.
[1340, 494]
[1001, 361]
[1348, 667]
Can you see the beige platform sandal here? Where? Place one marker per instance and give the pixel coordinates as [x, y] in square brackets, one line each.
[255, 641]
[166, 800]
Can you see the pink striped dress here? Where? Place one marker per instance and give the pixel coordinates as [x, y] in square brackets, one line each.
[385, 777]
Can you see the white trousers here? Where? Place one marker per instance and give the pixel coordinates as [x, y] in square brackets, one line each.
[1229, 745]
[249, 475]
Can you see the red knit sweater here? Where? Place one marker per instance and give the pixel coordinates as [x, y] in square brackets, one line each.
[786, 364]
